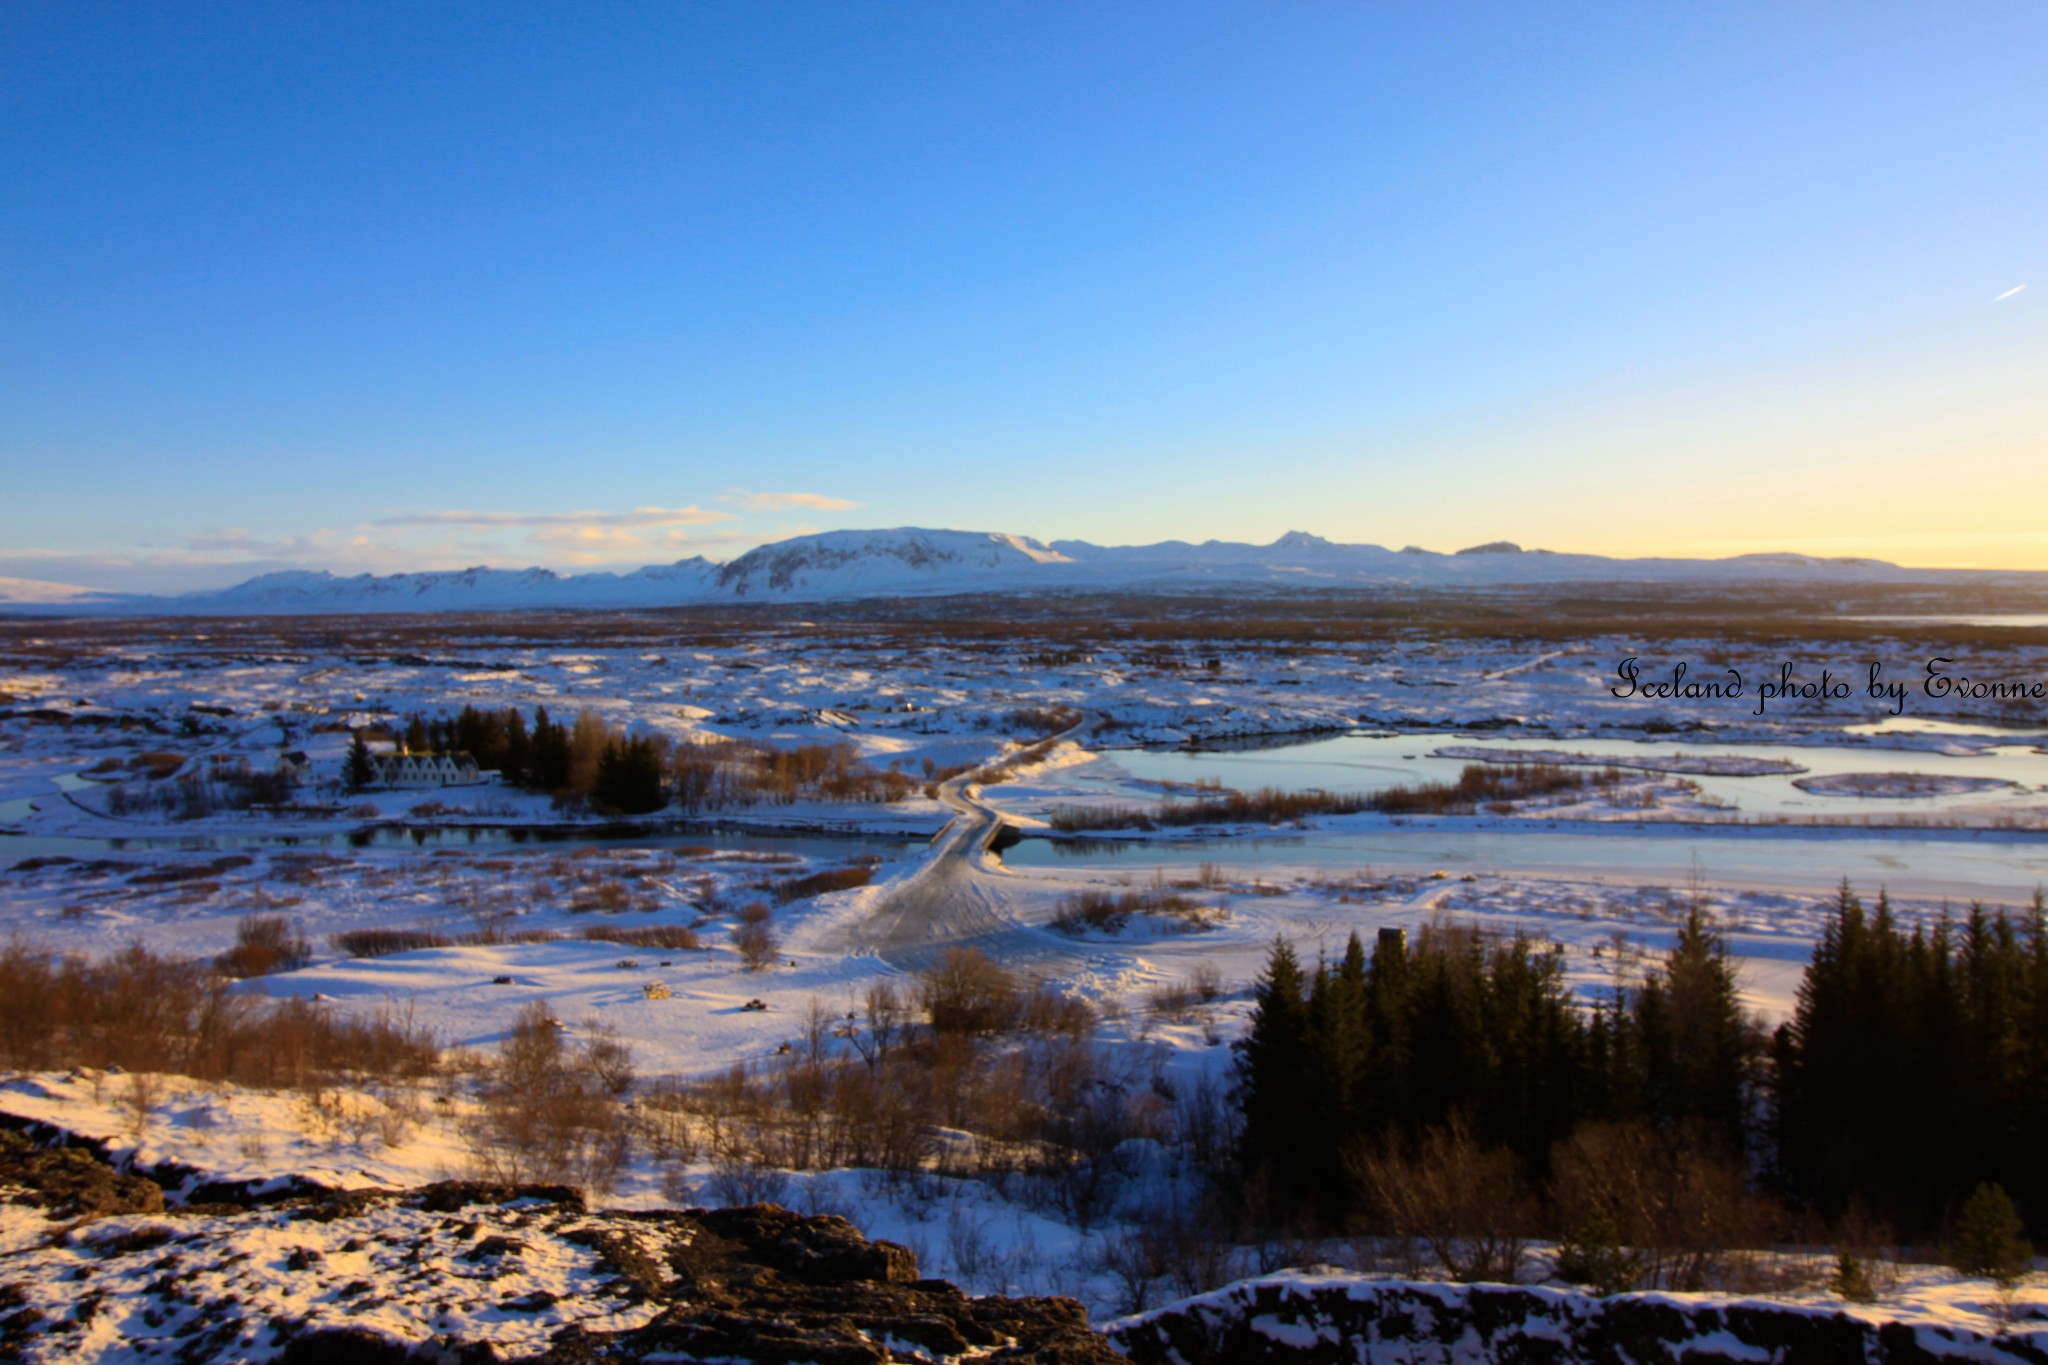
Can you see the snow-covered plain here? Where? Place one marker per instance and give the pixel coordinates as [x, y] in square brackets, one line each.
[516, 883]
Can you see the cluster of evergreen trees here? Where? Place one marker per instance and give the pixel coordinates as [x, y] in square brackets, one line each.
[634, 775]
[1914, 1068]
[586, 758]
[1916, 1064]
[1482, 1030]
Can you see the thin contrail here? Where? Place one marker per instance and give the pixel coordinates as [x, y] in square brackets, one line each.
[2009, 293]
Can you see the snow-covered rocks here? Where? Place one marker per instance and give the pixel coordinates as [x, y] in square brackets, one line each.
[1306, 1318]
[468, 1271]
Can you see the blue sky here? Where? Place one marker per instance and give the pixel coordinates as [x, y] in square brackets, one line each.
[398, 286]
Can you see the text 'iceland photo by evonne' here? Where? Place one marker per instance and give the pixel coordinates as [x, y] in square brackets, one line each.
[1047, 683]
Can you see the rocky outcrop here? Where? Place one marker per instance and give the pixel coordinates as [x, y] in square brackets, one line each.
[1306, 1319]
[471, 1273]
[71, 1182]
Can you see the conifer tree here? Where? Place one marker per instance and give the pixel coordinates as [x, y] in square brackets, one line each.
[629, 777]
[514, 759]
[360, 772]
[1988, 1241]
[1698, 1049]
[1272, 1079]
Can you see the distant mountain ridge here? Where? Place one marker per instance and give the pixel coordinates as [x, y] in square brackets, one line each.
[914, 561]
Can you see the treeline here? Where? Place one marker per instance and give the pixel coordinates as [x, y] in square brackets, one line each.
[1914, 1069]
[590, 760]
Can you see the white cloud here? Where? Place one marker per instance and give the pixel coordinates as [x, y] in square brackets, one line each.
[2009, 293]
[639, 516]
[423, 540]
[236, 540]
[786, 502]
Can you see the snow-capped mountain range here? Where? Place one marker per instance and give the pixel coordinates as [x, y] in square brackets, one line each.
[913, 562]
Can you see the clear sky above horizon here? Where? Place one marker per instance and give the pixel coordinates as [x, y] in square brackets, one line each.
[382, 286]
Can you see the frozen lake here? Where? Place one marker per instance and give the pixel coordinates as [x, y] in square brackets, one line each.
[1366, 762]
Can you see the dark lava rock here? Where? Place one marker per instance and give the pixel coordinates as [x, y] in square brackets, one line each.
[449, 1196]
[494, 1246]
[766, 1285]
[756, 1284]
[346, 1346]
[1294, 1320]
[71, 1182]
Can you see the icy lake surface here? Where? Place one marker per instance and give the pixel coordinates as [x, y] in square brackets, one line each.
[1374, 762]
[1992, 864]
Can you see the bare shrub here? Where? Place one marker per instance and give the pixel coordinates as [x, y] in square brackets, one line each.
[1466, 1203]
[1173, 1001]
[753, 939]
[145, 1092]
[663, 1123]
[1134, 1259]
[1045, 1010]
[736, 1184]
[1110, 912]
[675, 936]
[818, 883]
[1166, 1246]
[1492, 784]
[608, 896]
[965, 992]
[265, 944]
[1671, 1197]
[143, 1013]
[547, 1112]
[384, 942]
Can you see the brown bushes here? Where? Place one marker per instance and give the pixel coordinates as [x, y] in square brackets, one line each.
[551, 1113]
[1485, 783]
[265, 944]
[607, 895]
[1109, 912]
[967, 993]
[755, 942]
[1045, 1110]
[644, 935]
[384, 942]
[1478, 785]
[1269, 805]
[156, 764]
[737, 773]
[818, 883]
[1039, 720]
[1671, 1197]
[1467, 1203]
[141, 1012]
